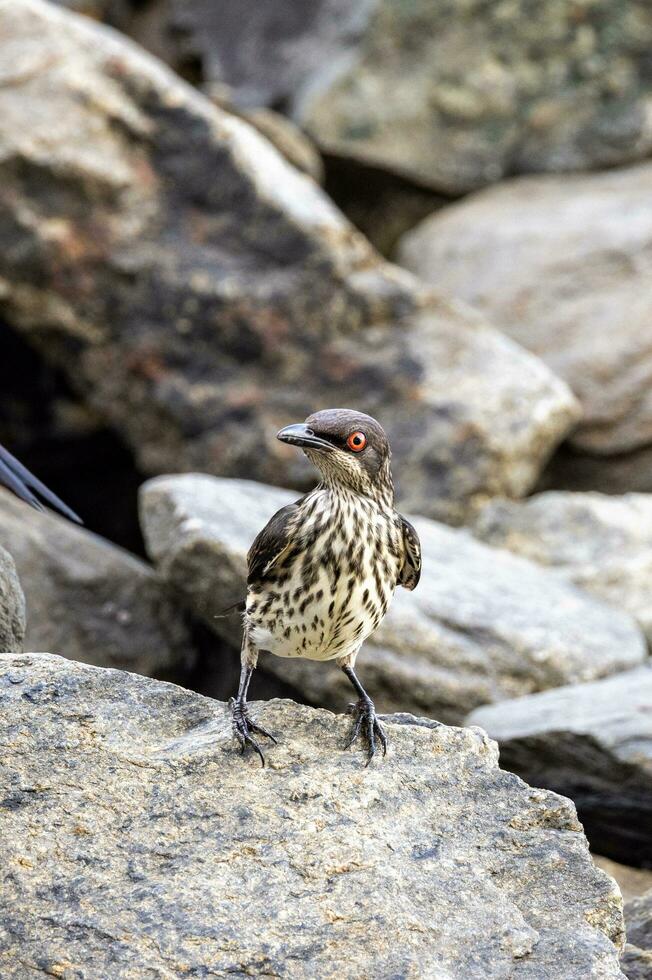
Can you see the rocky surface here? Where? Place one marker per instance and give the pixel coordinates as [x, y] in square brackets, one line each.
[631, 881]
[592, 742]
[563, 266]
[459, 95]
[96, 601]
[135, 833]
[483, 625]
[452, 95]
[12, 606]
[602, 543]
[636, 960]
[199, 292]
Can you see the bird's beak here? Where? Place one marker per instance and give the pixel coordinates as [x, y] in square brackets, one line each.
[300, 435]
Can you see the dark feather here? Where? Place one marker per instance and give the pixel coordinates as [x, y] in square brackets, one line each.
[25, 485]
[271, 543]
[411, 571]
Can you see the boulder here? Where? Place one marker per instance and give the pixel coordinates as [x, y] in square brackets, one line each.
[631, 881]
[137, 838]
[12, 606]
[483, 625]
[562, 266]
[455, 96]
[200, 293]
[96, 601]
[599, 542]
[636, 961]
[592, 742]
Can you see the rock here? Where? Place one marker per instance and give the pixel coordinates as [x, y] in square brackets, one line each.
[601, 543]
[135, 833]
[12, 606]
[281, 132]
[636, 960]
[99, 603]
[631, 881]
[578, 295]
[483, 625]
[454, 96]
[200, 293]
[592, 742]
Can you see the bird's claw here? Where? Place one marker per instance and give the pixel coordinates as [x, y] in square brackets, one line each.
[244, 729]
[366, 721]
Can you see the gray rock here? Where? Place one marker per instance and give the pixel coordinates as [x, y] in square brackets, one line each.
[451, 95]
[98, 602]
[601, 543]
[138, 842]
[631, 881]
[457, 96]
[592, 742]
[636, 961]
[281, 132]
[563, 266]
[483, 625]
[12, 606]
[200, 293]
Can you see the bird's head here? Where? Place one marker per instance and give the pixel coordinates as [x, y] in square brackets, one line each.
[348, 448]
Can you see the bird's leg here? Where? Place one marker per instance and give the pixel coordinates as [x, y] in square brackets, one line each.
[243, 727]
[365, 718]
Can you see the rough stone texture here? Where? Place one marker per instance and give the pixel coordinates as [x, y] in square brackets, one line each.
[483, 625]
[454, 95]
[564, 267]
[96, 601]
[138, 842]
[631, 881]
[636, 961]
[12, 606]
[592, 742]
[458, 95]
[601, 543]
[200, 292]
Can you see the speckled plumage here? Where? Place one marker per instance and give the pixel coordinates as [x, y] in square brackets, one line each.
[324, 569]
[330, 588]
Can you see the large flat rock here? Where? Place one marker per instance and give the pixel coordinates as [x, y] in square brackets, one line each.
[602, 543]
[482, 626]
[563, 266]
[96, 601]
[201, 293]
[592, 742]
[138, 842]
[12, 606]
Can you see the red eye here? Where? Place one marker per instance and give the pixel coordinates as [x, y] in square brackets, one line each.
[357, 441]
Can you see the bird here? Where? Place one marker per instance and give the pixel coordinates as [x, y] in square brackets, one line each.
[322, 572]
[26, 486]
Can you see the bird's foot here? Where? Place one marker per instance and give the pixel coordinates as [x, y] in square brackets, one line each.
[366, 724]
[244, 728]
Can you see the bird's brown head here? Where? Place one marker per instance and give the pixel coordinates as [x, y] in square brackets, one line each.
[347, 447]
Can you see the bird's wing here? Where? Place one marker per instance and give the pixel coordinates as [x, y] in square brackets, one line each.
[272, 543]
[411, 571]
[25, 485]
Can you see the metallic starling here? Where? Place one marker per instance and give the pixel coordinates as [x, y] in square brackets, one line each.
[25, 485]
[322, 572]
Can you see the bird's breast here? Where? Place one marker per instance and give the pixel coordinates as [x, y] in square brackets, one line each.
[334, 592]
